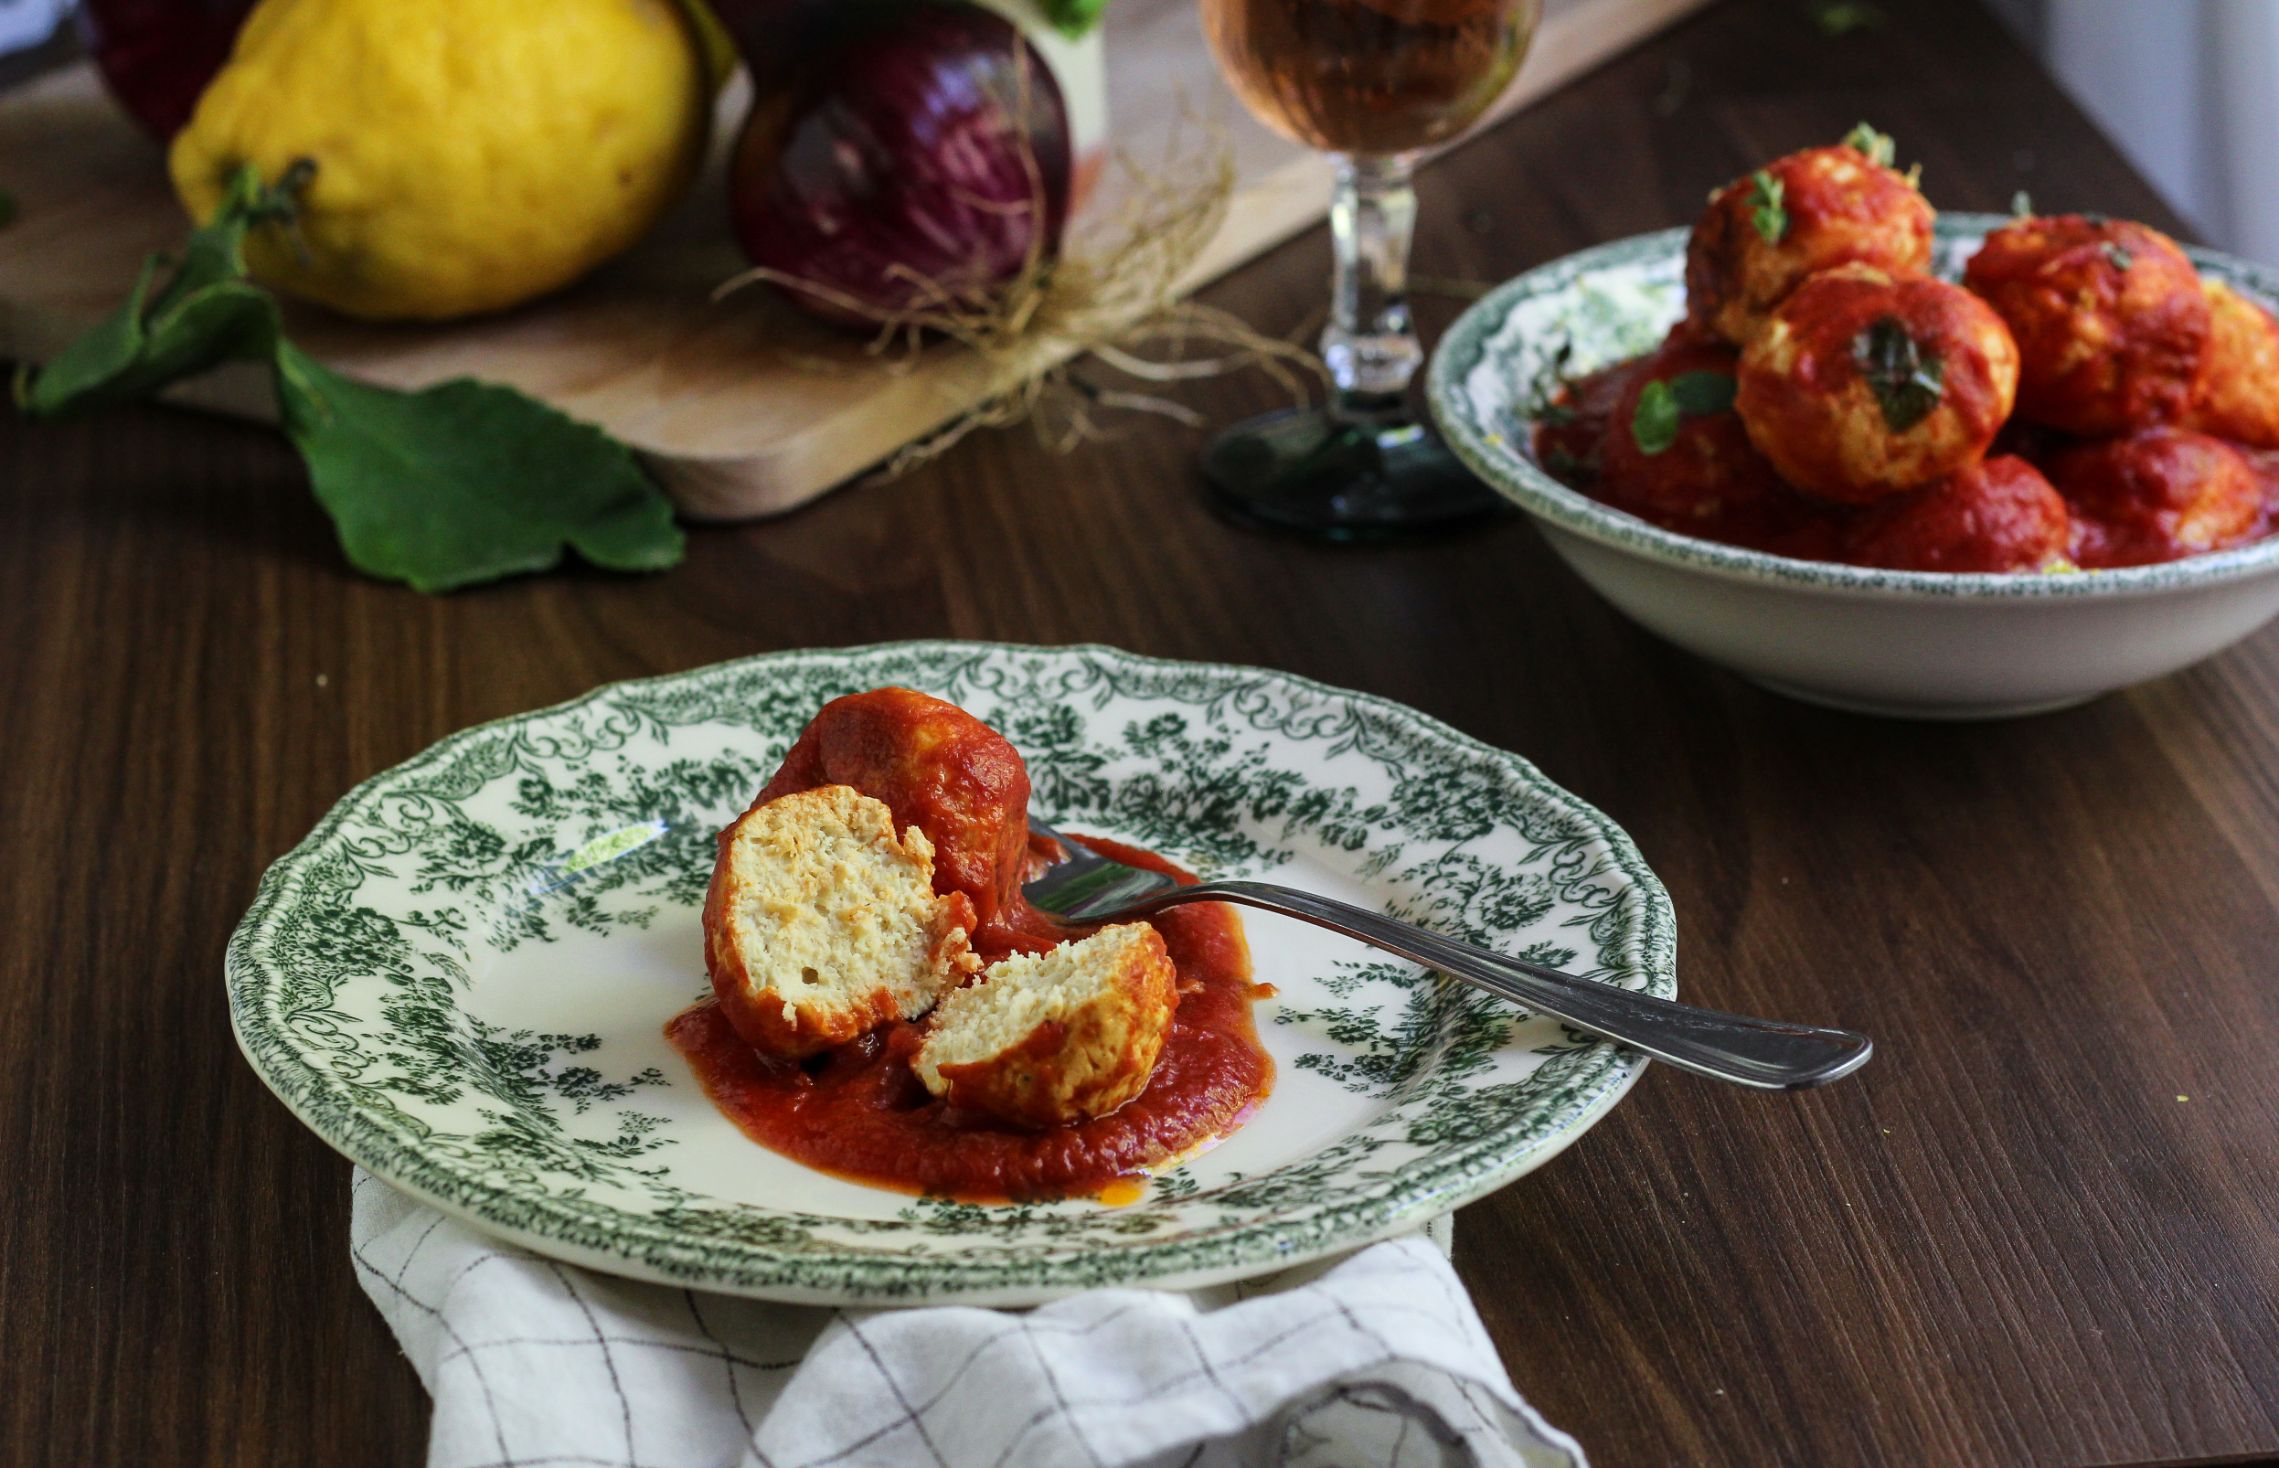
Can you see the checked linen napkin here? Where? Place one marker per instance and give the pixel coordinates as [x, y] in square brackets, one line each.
[1373, 1359]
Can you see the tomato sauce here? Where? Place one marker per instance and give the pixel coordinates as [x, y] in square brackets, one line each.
[861, 1113]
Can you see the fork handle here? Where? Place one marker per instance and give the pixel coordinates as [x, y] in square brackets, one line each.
[1767, 1054]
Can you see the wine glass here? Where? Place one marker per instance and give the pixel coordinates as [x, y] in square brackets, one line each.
[1371, 82]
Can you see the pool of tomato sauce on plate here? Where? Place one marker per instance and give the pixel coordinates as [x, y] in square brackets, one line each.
[860, 1113]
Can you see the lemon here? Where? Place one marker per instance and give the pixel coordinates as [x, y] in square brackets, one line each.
[466, 154]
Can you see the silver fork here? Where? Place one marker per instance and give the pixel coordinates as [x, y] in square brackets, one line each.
[1086, 888]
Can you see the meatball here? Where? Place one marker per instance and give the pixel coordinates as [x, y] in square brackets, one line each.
[1996, 515]
[1763, 235]
[938, 768]
[1864, 384]
[2108, 316]
[1055, 1037]
[2236, 394]
[1572, 429]
[822, 923]
[2159, 495]
[1674, 451]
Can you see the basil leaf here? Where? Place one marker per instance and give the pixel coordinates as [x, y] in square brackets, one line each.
[2121, 259]
[467, 481]
[2021, 205]
[1842, 17]
[1665, 403]
[1766, 211]
[1878, 147]
[1907, 381]
[1700, 394]
[1654, 426]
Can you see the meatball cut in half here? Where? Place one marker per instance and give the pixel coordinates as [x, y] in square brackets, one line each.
[2236, 394]
[938, 768]
[2159, 495]
[1058, 1036]
[822, 924]
[1865, 384]
[1996, 515]
[1762, 236]
[2109, 318]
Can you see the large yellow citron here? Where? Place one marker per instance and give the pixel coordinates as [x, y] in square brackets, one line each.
[468, 154]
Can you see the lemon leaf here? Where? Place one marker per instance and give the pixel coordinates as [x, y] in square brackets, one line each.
[467, 481]
[456, 484]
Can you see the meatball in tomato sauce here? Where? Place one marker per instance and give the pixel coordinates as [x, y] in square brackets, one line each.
[1999, 514]
[2109, 318]
[1764, 234]
[940, 769]
[1865, 384]
[2236, 393]
[2159, 495]
[1675, 452]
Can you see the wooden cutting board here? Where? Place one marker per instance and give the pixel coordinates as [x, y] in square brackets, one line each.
[724, 400]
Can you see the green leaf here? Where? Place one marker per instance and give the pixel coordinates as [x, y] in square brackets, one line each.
[1906, 380]
[1700, 394]
[460, 483]
[467, 481]
[1842, 17]
[1878, 147]
[2021, 205]
[1666, 402]
[1765, 206]
[1074, 18]
[206, 314]
[2121, 259]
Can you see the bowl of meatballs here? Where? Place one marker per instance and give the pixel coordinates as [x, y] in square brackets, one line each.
[1888, 459]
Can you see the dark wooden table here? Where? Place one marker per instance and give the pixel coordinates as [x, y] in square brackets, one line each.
[2012, 1239]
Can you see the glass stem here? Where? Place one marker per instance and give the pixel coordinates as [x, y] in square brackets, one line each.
[1370, 344]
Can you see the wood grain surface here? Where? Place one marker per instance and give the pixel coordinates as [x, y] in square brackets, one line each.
[726, 401]
[2012, 1239]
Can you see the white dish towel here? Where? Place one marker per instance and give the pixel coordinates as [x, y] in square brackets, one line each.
[1377, 1358]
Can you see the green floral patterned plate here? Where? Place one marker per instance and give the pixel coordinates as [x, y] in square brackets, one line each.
[460, 978]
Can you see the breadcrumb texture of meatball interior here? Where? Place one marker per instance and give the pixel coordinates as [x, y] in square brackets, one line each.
[822, 924]
[1058, 1036]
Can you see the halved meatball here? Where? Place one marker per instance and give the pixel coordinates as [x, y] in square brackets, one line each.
[2236, 394]
[1763, 235]
[1865, 384]
[2159, 495]
[2108, 315]
[1999, 514]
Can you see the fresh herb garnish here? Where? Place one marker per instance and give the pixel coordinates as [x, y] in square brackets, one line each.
[2021, 205]
[1842, 17]
[2120, 258]
[1905, 379]
[1766, 210]
[1878, 147]
[2096, 221]
[456, 484]
[1667, 402]
[1074, 18]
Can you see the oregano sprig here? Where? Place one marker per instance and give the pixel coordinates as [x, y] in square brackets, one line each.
[1906, 378]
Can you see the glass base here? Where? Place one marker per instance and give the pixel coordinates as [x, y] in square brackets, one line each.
[1304, 473]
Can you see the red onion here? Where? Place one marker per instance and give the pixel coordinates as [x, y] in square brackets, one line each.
[927, 153]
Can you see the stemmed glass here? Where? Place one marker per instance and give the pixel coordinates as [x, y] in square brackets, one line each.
[1371, 82]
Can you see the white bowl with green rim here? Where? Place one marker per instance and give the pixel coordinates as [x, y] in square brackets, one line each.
[1917, 644]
